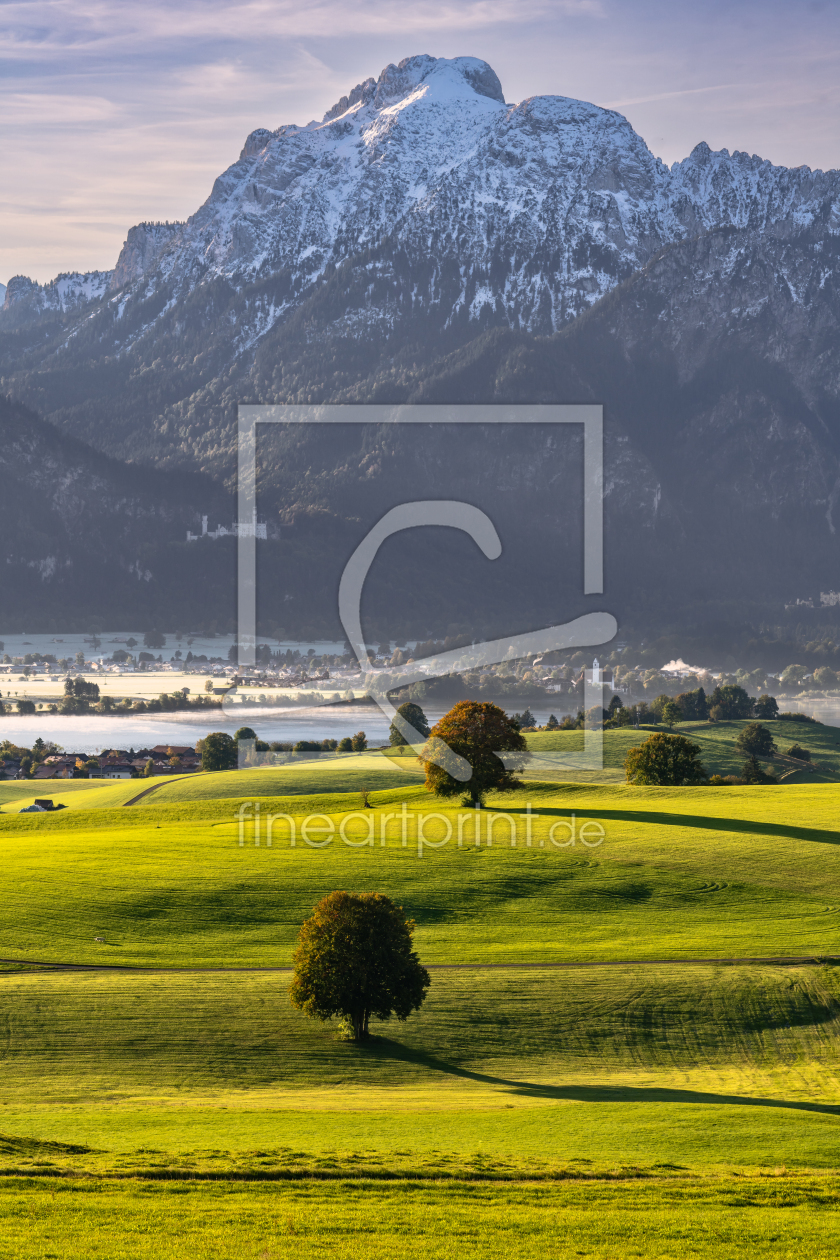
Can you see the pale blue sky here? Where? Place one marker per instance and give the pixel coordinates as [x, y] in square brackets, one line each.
[116, 111]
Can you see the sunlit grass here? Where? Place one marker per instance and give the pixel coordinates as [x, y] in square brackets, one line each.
[684, 1072]
[713, 1221]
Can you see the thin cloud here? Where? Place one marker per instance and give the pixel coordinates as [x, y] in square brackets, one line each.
[55, 108]
[665, 96]
[40, 29]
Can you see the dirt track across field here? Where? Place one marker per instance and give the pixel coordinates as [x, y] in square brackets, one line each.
[145, 792]
[798, 960]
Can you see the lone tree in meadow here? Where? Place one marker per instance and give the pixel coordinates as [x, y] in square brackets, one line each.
[477, 732]
[354, 960]
[665, 761]
[414, 715]
[756, 741]
[218, 751]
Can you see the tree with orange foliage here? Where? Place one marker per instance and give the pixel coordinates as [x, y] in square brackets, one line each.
[478, 733]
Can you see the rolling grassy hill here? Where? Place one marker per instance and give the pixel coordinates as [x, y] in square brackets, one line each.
[377, 771]
[368, 771]
[717, 748]
[678, 873]
[697, 1079]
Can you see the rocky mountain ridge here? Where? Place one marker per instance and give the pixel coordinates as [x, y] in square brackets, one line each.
[540, 208]
[429, 241]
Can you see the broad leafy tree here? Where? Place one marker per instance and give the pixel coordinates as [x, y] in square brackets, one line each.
[693, 705]
[670, 713]
[730, 703]
[798, 753]
[477, 732]
[414, 715]
[355, 960]
[665, 761]
[766, 708]
[218, 751]
[658, 705]
[756, 740]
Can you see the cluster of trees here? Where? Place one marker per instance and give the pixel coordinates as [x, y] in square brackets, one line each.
[172, 703]
[79, 695]
[220, 751]
[674, 761]
[727, 703]
[29, 758]
[796, 677]
[350, 743]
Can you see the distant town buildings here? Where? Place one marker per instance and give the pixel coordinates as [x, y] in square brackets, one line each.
[600, 677]
[114, 764]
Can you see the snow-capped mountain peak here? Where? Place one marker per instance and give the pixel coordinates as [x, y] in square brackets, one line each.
[452, 79]
[527, 214]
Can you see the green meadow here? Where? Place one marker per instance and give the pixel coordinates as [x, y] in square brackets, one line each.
[717, 748]
[596, 1070]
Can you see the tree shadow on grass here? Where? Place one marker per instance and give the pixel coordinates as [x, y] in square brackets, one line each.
[697, 821]
[386, 1049]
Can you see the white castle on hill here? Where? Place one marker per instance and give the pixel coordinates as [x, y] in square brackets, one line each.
[239, 529]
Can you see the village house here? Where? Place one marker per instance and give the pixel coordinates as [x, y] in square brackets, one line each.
[117, 770]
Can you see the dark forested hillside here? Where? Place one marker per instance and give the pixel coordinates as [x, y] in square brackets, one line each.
[90, 541]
